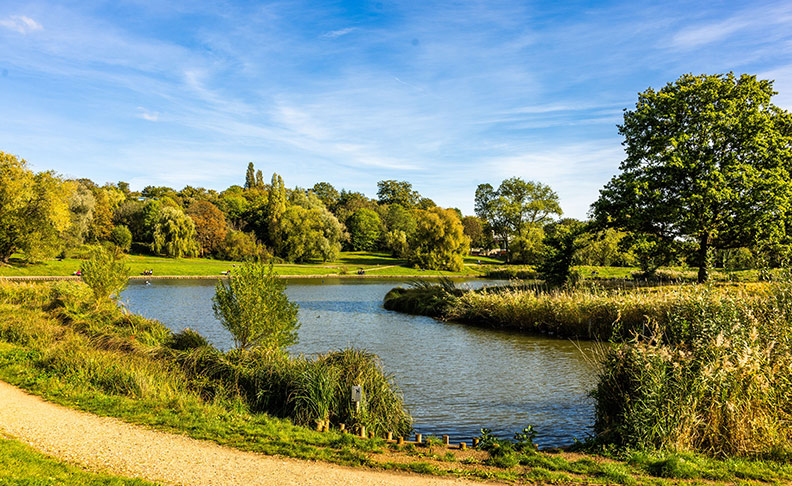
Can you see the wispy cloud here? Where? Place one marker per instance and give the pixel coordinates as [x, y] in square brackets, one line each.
[147, 115]
[21, 24]
[707, 34]
[334, 34]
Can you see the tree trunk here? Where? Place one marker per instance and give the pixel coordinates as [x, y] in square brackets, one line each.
[703, 258]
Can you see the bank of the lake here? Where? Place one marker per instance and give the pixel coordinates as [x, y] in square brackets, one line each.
[104, 361]
[452, 377]
[698, 368]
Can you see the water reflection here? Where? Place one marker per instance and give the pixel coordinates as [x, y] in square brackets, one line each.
[455, 378]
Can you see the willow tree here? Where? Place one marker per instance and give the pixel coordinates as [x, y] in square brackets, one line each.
[439, 241]
[707, 160]
[174, 234]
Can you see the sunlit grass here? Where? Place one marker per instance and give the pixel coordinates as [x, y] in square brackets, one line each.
[19, 464]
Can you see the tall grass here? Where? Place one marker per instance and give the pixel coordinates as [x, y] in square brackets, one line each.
[113, 352]
[704, 369]
[709, 378]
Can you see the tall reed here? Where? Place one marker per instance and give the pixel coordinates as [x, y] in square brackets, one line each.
[715, 379]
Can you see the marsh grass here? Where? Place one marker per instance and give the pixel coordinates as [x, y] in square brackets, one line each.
[110, 362]
[705, 369]
[713, 376]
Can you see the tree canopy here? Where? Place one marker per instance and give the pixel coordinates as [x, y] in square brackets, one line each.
[439, 242]
[515, 206]
[707, 160]
[397, 192]
[34, 209]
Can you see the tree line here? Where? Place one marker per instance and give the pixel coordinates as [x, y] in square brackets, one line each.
[42, 215]
[706, 181]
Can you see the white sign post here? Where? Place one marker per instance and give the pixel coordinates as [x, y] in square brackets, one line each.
[357, 396]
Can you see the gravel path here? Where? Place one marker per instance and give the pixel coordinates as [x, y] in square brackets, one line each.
[113, 446]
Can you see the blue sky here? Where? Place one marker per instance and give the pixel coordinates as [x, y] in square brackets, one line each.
[445, 95]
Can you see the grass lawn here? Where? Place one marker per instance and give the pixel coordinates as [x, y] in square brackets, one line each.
[348, 263]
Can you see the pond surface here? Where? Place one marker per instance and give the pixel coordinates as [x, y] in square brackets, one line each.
[455, 378]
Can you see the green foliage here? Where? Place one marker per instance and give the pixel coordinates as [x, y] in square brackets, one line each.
[250, 176]
[439, 242]
[515, 206]
[33, 210]
[254, 308]
[364, 229]
[121, 237]
[713, 379]
[397, 192]
[604, 249]
[105, 273]
[22, 465]
[174, 234]
[562, 241]
[423, 298]
[241, 246]
[707, 161]
[474, 229]
[528, 248]
[276, 206]
[327, 194]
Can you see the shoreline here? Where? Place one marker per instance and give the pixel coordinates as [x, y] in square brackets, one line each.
[44, 278]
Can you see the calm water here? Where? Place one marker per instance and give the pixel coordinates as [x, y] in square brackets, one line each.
[456, 379]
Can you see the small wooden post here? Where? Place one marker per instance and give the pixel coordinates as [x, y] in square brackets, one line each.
[475, 442]
[327, 426]
[390, 436]
[400, 440]
[319, 425]
[342, 428]
[363, 431]
[462, 446]
[446, 440]
[419, 438]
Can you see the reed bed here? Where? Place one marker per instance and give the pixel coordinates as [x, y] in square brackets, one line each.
[703, 369]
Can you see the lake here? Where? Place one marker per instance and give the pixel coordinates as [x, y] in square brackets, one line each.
[455, 378]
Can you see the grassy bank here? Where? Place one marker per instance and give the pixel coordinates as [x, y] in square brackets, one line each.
[107, 362]
[704, 369]
[348, 263]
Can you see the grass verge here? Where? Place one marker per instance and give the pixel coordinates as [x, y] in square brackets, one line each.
[19, 464]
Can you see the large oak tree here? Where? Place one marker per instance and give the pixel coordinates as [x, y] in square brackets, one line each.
[707, 160]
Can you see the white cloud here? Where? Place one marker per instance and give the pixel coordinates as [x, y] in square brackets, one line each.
[334, 34]
[21, 24]
[707, 34]
[147, 115]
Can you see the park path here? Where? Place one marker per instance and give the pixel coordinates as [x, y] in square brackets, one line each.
[119, 448]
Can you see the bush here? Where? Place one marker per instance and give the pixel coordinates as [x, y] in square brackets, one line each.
[254, 308]
[122, 237]
[105, 274]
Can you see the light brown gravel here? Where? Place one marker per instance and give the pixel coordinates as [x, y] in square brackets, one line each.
[115, 447]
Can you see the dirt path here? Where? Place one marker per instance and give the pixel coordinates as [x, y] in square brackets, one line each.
[113, 446]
